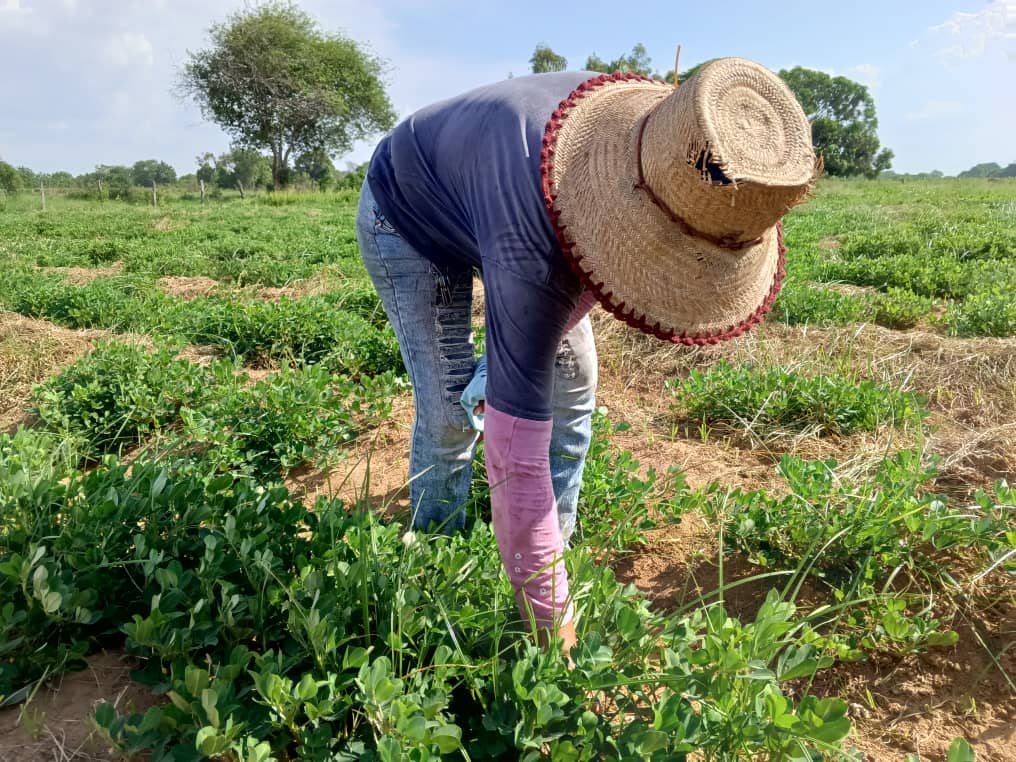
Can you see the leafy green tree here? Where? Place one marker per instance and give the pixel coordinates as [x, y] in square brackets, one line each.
[986, 169]
[243, 169]
[58, 179]
[843, 122]
[544, 59]
[206, 168]
[10, 178]
[115, 181]
[317, 165]
[636, 62]
[276, 82]
[28, 177]
[147, 171]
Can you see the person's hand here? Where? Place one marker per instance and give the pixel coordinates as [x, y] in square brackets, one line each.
[474, 395]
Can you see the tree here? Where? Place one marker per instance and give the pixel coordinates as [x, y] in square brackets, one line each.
[843, 122]
[317, 165]
[243, 169]
[544, 59]
[147, 171]
[116, 180]
[28, 177]
[10, 178]
[636, 62]
[986, 169]
[206, 167]
[276, 82]
[57, 179]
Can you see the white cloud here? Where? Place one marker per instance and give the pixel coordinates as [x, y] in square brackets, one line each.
[970, 35]
[129, 48]
[10, 5]
[932, 110]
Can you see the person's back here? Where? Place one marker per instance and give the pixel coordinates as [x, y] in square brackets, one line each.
[460, 179]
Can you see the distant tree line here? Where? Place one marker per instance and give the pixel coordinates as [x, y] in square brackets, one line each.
[990, 169]
[241, 169]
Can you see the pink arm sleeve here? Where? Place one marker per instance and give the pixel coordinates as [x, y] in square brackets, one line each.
[525, 515]
[586, 303]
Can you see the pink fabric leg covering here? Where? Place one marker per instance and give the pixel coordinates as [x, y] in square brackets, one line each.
[525, 515]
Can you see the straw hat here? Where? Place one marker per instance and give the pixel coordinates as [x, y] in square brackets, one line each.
[667, 201]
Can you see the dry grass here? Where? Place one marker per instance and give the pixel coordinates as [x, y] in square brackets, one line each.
[970, 386]
[82, 276]
[31, 351]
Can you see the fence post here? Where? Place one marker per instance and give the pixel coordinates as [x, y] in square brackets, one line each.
[202, 191]
[42, 194]
[155, 195]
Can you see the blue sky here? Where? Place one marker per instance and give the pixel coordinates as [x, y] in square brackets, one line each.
[89, 82]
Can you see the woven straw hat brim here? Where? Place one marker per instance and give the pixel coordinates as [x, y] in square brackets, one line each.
[625, 248]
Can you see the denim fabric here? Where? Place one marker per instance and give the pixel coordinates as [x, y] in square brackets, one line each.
[429, 309]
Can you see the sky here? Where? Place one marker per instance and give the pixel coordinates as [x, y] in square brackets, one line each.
[89, 82]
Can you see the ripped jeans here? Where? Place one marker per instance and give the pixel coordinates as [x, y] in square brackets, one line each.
[430, 310]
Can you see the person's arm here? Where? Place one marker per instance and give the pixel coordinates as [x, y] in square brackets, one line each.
[586, 303]
[525, 323]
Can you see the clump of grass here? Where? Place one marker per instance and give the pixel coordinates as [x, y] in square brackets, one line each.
[775, 401]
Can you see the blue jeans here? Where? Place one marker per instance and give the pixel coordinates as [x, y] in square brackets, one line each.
[430, 310]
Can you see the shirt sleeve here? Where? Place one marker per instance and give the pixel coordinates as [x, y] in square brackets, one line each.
[525, 322]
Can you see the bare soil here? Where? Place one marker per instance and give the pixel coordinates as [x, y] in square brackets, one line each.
[56, 724]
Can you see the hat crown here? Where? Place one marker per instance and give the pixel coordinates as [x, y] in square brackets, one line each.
[730, 150]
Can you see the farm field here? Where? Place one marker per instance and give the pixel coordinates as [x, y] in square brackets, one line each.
[797, 545]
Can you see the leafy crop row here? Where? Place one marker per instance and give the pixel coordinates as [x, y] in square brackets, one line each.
[276, 632]
[342, 329]
[116, 398]
[773, 401]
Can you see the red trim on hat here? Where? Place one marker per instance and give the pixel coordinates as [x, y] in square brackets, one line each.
[586, 276]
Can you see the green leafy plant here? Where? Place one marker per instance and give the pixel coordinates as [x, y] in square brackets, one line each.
[286, 420]
[766, 402]
[884, 542]
[117, 396]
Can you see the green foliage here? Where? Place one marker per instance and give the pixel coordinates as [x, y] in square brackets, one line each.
[116, 397]
[147, 171]
[342, 329]
[882, 539]
[775, 401]
[805, 305]
[616, 504]
[275, 81]
[317, 165]
[989, 312]
[308, 330]
[276, 631]
[244, 169]
[953, 242]
[289, 419]
[989, 169]
[899, 308]
[636, 62]
[11, 180]
[843, 123]
[544, 59]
